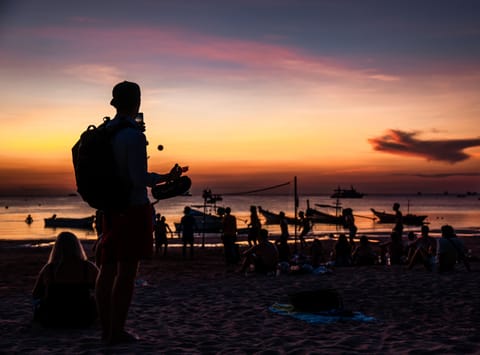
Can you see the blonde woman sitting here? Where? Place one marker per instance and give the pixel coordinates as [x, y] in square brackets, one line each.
[63, 291]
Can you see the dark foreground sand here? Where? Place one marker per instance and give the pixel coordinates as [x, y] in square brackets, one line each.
[193, 307]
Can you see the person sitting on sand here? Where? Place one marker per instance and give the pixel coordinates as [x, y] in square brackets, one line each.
[410, 245]
[342, 251]
[396, 249]
[263, 256]
[364, 253]
[317, 253]
[283, 249]
[62, 291]
[450, 250]
[423, 250]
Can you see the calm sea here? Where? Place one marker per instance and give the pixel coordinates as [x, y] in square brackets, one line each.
[463, 213]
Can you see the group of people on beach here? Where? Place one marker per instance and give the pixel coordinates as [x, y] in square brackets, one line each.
[440, 254]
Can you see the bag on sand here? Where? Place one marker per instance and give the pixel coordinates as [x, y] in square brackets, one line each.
[319, 300]
[95, 170]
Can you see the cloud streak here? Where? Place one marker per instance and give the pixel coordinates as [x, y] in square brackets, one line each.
[407, 144]
[181, 50]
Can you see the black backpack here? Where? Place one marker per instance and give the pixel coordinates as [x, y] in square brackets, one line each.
[319, 300]
[95, 171]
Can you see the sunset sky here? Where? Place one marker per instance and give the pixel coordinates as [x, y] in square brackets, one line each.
[383, 95]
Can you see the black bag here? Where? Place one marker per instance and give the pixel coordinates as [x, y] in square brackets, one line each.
[316, 300]
[95, 170]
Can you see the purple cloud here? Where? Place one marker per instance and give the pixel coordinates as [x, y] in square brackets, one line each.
[406, 143]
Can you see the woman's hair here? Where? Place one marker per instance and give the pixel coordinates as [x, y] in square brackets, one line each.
[66, 247]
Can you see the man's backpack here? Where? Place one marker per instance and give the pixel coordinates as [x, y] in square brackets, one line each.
[98, 182]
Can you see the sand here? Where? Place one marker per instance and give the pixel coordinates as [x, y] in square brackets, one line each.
[198, 307]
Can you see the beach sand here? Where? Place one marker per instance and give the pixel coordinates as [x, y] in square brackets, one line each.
[196, 306]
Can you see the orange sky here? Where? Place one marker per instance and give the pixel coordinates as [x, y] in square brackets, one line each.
[385, 104]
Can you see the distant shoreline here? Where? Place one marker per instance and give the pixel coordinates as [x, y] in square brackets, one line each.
[211, 241]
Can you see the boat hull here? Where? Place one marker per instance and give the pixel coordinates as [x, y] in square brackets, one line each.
[207, 223]
[408, 219]
[274, 218]
[323, 218]
[77, 223]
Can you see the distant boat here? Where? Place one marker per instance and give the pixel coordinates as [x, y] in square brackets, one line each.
[346, 193]
[77, 223]
[408, 219]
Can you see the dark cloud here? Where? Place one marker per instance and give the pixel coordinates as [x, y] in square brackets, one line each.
[406, 143]
[442, 175]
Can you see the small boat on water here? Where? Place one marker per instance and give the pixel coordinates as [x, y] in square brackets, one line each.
[315, 216]
[346, 193]
[408, 219]
[206, 222]
[77, 223]
[274, 218]
[320, 217]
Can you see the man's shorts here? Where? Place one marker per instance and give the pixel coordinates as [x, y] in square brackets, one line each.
[127, 235]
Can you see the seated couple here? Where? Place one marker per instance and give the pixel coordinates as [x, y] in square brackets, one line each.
[443, 253]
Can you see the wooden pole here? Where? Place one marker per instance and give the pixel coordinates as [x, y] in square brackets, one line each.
[296, 210]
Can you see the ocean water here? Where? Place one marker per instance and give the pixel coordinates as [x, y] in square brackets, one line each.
[463, 213]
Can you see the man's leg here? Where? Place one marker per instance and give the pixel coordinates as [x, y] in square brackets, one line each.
[122, 293]
[103, 296]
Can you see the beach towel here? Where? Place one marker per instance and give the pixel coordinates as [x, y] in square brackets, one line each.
[327, 317]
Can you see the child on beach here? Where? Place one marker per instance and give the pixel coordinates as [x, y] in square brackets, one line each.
[306, 228]
[161, 228]
[62, 291]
